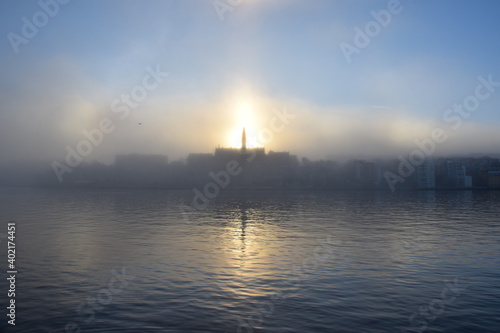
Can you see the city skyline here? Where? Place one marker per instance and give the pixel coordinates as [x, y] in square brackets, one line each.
[353, 91]
[250, 165]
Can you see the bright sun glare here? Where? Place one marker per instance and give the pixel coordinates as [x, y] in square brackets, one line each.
[244, 118]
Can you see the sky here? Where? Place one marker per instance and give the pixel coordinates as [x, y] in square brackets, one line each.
[220, 67]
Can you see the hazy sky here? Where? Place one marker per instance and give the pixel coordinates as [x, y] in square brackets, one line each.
[263, 57]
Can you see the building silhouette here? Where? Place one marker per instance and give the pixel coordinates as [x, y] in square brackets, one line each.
[260, 169]
[426, 175]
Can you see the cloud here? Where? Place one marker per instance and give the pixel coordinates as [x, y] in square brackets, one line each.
[47, 106]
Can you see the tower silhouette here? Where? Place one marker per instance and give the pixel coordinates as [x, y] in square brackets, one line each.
[243, 140]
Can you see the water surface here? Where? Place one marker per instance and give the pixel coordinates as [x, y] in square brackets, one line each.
[254, 261]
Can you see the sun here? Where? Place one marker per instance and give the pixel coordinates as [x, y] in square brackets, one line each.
[244, 117]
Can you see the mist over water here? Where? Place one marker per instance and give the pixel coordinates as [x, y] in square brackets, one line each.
[249, 166]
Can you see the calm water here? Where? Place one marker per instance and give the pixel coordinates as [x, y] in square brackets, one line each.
[258, 261]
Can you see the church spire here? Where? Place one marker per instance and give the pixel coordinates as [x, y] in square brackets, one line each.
[244, 140]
